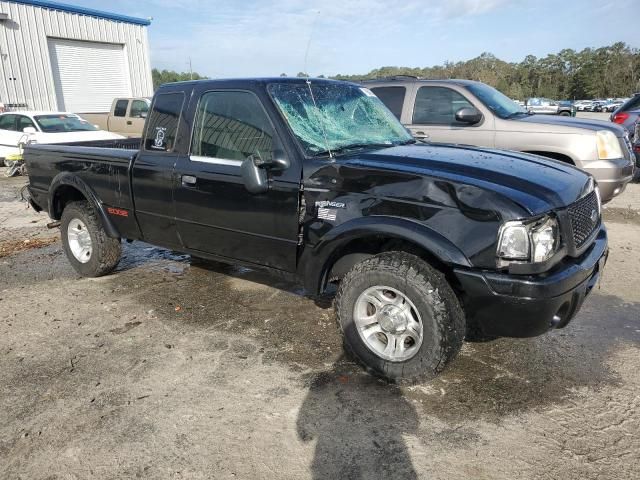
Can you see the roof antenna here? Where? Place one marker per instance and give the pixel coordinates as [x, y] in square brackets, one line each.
[308, 82]
[306, 52]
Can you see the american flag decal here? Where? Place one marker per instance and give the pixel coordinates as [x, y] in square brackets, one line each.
[327, 213]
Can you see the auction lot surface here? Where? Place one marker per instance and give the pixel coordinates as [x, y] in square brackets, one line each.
[171, 370]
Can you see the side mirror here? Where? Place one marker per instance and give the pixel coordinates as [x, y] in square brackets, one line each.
[29, 130]
[469, 115]
[278, 161]
[254, 177]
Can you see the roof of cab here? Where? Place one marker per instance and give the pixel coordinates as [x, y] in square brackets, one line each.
[254, 81]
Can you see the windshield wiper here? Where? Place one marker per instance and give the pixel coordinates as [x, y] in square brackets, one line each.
[354, 146]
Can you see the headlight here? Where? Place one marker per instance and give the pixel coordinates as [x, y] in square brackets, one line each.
[608, 145]
[528, 242]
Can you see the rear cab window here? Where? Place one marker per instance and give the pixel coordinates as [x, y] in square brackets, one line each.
[120, 109]
[392, 97]
[162, 125]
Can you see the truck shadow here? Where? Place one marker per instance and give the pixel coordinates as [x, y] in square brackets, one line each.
[486, 381]
[357, 424]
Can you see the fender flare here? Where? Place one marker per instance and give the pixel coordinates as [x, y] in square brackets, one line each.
[66, 179]
[315, 261]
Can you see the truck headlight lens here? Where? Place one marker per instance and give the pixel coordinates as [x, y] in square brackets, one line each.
[514, 242]
[608, 145]
[528, 242]
[544, 240]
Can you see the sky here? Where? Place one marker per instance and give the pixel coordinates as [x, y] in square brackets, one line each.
[239, 38]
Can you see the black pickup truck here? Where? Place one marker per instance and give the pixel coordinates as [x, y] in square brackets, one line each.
[317, 180]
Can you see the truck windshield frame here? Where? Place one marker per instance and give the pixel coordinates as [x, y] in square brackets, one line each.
[333, 118]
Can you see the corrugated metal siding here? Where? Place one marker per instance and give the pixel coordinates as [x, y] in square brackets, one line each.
[24, 53]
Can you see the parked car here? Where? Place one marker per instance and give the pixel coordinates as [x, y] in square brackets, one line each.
[316, 180]
[45, 127]
[627, 114]
[126, 116]
[611, 106]
[468, 112]
[547, 106]
[582, 105]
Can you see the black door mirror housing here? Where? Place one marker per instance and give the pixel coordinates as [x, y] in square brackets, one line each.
[278, 161]
[469, 115]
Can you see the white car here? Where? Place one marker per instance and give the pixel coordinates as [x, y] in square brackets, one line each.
[46, 127]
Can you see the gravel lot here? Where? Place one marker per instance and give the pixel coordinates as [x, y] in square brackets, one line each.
[171, 370]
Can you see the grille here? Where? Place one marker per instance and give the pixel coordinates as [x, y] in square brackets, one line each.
[584, 218]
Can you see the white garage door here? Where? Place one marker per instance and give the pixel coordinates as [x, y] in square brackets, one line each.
[88, 75]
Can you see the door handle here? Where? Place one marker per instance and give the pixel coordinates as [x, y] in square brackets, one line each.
[420, 134]
[129, 122]
[188, 180]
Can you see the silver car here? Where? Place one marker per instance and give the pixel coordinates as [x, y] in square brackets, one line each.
[472, 113]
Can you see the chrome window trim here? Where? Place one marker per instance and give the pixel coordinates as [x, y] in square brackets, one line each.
[215, 160]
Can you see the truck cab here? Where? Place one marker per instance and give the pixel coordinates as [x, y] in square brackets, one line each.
[126, 116]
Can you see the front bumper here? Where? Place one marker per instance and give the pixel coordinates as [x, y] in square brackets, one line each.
[525, 306]
[612, 175]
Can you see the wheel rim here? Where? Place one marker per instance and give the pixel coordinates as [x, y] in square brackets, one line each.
[79, 240]
[388, 323]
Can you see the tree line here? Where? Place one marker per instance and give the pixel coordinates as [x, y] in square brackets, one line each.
[606, 72]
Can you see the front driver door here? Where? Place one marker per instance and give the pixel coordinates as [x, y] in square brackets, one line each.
[215, 212]
[434, 118]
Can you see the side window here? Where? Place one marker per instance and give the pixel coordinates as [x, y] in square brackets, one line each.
[139, 109]
[162, 125]
[120, 109]
[231, 125]
[392, 97]
[438, 106]
[8, 122]
[534, 102]
[24, 122]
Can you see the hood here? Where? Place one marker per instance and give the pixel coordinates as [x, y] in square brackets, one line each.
[536, 184]
[551, 123]
[65, 137]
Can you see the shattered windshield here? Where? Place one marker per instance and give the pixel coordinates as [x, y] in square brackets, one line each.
[333, 117]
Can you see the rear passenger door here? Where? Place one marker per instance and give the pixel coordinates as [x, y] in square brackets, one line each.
[215, 212]
[154, 169]
[434, 118]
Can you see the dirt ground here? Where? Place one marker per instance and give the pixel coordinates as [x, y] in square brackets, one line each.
[171, 370]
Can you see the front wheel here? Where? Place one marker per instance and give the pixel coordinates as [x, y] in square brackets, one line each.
[399, 317]
[88, 248]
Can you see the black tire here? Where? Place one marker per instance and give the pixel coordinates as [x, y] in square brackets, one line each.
[440, 311]
[565, 114]
[106, 251]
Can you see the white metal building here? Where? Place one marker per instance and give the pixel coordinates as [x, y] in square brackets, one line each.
[55, 56]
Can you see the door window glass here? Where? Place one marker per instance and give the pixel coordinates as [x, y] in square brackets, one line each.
[121, 108]
[392, 97]
[139, 109]
[8, 122]
[232, 125]
[162, 125]
[24, 122]
[438, 106]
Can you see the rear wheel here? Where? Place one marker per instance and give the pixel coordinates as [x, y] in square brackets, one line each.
[565, 114]
[91, 252]
[400, 318]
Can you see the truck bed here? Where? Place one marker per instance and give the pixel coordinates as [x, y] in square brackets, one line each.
[104, 165]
